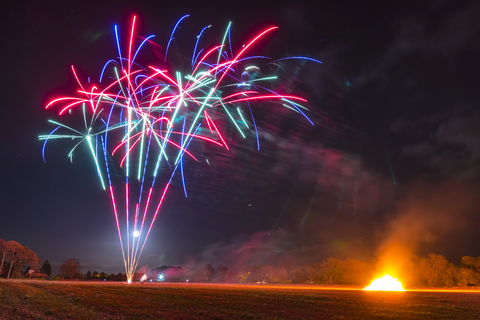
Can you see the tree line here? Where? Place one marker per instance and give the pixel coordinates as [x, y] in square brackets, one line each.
[70, 269]
[434, 270]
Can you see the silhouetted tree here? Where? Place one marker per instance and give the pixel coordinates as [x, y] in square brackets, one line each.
[281, 275]
[88, 275]
[242, 274]
[331, 270]
[221, 274]
[469, 274]
[311, 273]
[257, 274]
[120, 277]
[436, 271]
[471, 263]
[17, 254]
[5, 252]
[298, 275]
[69, 268]
[356, 272]
[208, 272]
[95, 275]
[266, 273]
[103, 275]
[31, 259]
[47, 268]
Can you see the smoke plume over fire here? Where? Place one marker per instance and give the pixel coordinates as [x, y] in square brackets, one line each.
[427, 218]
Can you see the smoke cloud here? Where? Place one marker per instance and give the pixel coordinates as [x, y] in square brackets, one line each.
[430, 219]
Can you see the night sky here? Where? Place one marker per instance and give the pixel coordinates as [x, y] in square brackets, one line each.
[394, 154]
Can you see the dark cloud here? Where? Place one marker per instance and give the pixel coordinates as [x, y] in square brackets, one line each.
[446, 30]
[400, 125]
[452, 147]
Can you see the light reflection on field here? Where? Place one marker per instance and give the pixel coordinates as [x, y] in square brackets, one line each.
[296, 287]
[248, 286]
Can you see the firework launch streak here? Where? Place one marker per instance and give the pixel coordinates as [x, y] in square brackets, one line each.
[140, 121]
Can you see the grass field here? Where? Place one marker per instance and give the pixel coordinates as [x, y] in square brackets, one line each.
[82, 300]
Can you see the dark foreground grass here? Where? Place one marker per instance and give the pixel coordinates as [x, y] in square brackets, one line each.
[70, 300]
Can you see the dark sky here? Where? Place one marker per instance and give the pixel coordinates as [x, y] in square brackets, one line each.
[395, 150]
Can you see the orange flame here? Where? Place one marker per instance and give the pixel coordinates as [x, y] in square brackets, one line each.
[385, 283]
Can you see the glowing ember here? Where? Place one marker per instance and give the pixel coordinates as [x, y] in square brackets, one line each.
[385, 283]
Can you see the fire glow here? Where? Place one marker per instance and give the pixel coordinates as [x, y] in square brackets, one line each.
[385, 283]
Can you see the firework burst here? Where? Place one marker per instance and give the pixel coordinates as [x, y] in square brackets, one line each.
[140, 121]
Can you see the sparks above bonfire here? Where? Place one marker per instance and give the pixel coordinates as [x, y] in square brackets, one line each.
[138, 127]
[385, 283]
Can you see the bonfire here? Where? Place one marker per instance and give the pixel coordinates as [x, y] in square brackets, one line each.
[385, 283]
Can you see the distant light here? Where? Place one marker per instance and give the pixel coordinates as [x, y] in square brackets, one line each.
[161, 276]
[136, 233]
[187, 280]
